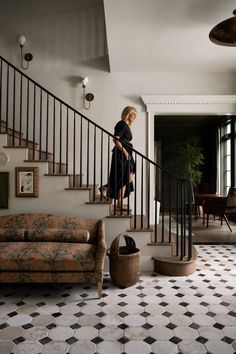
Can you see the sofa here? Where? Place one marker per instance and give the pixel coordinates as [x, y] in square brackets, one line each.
[45, 248]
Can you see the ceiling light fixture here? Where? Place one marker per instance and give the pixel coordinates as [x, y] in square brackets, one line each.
[225, 32]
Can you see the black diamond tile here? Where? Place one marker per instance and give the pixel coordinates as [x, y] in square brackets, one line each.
[203, 303]
[175, 340]
[27, 326]
[18, 340]
[123, 340]
[193, 287]
[123, 326]
[163, 303]
[100, 314]
[122, 304]
[12, 314]
[171, 326]
[45, 340]
[198, 295]
[145, 314]
[99, 326]
[166, 314]
[61, 304]
[84, 295]
[223, 303]
[217, 295]
[86, 287]
[227, 340]
[140, 287]
[231, 313]
[51, 325]
[179, 295]
[201, 340]
[3, 325]
[141, 295]
[40, 304]
[122, 295]
[2, 303]
[218, 325]
[79, 314]
[65, 295]
[56, 314]
[97, 340]
[102, 304]
[211, 287]
[184, 304]
[149, 340]
[211, 314]
[160, 295]
[21, 303]
[75, 326]
[194, 325]
[71, 340]
[146, 326]
[189, 314]
[158, 287]
[82, 304]
[34, 314]
[123, 314]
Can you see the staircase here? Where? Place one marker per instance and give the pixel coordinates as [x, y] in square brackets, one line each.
[72, 154]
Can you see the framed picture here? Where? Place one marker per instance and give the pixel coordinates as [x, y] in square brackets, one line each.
[4, 190]
[27, 182]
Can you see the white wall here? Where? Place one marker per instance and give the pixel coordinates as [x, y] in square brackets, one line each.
[67, 39]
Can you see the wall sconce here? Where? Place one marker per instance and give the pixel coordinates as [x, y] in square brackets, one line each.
[86, 97]
[27, 57]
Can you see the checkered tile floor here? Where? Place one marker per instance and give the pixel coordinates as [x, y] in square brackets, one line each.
[160, 314]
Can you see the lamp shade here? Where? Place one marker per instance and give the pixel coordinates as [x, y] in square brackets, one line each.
[225, 32]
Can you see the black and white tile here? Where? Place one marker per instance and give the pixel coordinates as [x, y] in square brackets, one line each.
[160, 314]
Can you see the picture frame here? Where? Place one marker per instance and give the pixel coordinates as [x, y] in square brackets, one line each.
[4, 190]
[27, 182]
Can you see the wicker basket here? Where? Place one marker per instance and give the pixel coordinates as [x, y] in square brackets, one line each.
[124, 262]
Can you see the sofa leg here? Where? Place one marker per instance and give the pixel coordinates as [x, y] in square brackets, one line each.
[100, 289]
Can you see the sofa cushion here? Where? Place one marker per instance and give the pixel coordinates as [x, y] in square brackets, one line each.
[12, 234]
[58, 235]
[47, 256]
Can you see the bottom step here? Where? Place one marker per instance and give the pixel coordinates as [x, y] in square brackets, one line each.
[173, 266]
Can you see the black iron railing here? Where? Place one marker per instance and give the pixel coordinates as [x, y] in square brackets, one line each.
[76, 146]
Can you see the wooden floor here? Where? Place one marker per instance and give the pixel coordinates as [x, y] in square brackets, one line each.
[214, 233]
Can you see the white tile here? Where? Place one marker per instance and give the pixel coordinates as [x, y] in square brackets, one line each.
[61, 333]
[137, 347]
[158, 320]
[109, 320]
[136, 333]
[83, 347]
[55, 347]
[6, 346]
[210, 332]
[190, 347]
[226, 320]
[87, 320]
[86, 333]
[134, 320]
[111, 333]
[204, 320]
[110, 347]
[36, 333]
[66, 320]
[28, 347]
[161, 333]
[19, 320]
[219, 347]
[186, 333]
[164, 347]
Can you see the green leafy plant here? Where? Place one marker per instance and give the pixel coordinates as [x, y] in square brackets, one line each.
[190, 159]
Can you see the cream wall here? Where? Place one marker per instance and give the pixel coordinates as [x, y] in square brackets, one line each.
[67, 39]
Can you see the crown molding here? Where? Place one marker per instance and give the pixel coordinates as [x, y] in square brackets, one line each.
[193, 104]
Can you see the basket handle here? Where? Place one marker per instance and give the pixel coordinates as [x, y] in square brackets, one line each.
[114, 248]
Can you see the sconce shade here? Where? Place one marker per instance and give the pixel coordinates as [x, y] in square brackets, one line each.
[22, 40]
[85, 81]
[28, 56]
[225, 32]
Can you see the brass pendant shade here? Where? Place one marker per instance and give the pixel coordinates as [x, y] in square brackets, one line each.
[225, 32]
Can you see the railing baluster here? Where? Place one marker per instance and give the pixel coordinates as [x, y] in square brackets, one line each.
[1, 97]
[156, 209]
[67, 139]
[27, 114]
[60, 142]
[7, 92]
[148, 194]
[74, 149]
[20, 141]
[135, 193]
[47, 126]
[88, 137]
[169, 202]
[14, 108]
[81, 152]
[54, 137]
[94, 161]
[141, 193]
[40, 125]
[101, 164]
[34, 118]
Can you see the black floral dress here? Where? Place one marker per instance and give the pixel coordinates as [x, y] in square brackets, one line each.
[120, 166]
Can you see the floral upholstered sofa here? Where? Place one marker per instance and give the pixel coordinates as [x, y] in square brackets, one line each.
[50, 248]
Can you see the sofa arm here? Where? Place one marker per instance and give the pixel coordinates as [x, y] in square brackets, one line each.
[101, 246]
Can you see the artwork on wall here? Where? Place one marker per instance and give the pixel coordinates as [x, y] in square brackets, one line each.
[4, 190]
[27, 182]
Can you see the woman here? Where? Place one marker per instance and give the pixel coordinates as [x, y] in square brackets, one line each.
[122, 164]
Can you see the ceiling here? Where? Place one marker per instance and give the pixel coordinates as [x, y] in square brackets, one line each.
[167, 36]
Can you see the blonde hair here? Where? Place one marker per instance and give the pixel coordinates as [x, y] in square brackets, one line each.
[126, 112]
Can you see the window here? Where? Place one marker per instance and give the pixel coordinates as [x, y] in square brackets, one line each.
[226, 160]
